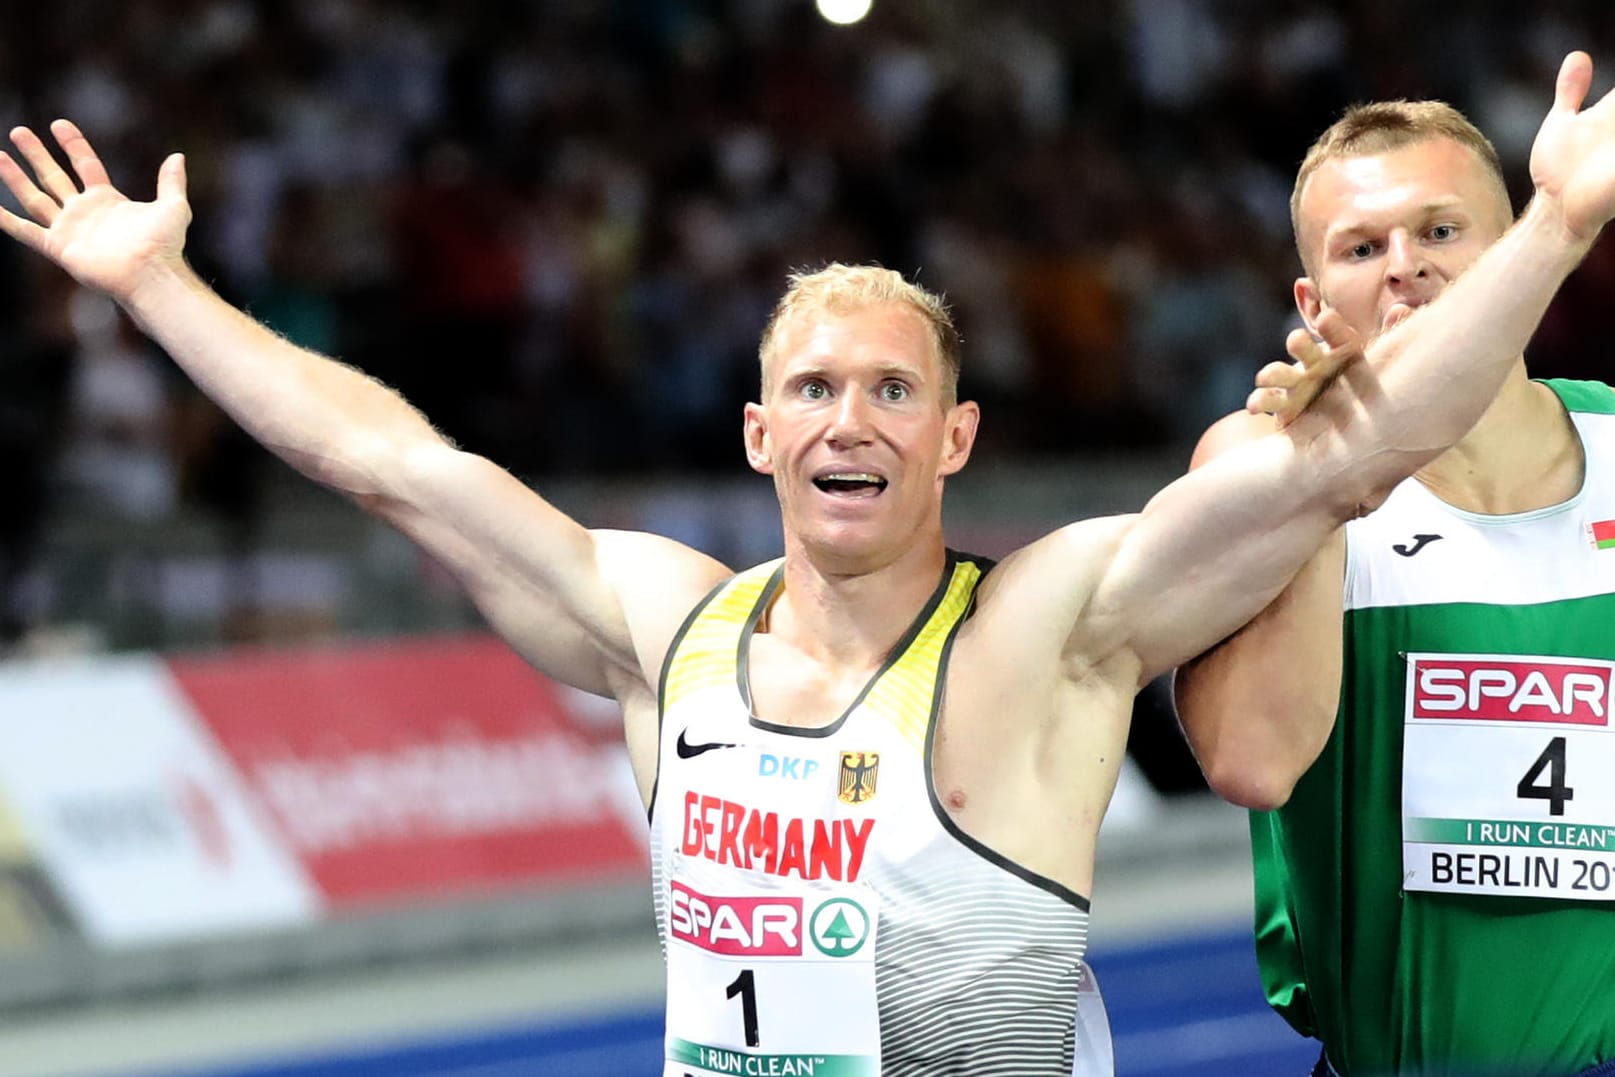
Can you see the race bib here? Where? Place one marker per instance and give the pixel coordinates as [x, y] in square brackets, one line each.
[772, 983]
[1506, 768]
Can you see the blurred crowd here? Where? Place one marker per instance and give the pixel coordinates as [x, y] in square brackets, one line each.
[558, 225]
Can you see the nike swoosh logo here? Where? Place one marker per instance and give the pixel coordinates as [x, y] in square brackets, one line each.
[687, 750]
[1419, 543]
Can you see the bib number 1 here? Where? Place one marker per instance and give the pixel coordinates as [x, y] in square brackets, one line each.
[745, 986]
[771, 983]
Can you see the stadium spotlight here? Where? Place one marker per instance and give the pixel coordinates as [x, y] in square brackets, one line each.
[843, 12]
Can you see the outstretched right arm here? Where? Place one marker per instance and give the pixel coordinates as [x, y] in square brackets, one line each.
[591, 609]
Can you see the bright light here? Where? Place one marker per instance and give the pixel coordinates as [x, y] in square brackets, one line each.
[843, 12]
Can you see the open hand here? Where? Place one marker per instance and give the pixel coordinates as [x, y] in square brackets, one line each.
[1285, 390]
[1573, 158]
[95, 233]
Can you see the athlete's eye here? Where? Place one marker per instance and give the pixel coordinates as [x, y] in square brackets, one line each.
[893, 391]
[1443, 232]
[814, 389]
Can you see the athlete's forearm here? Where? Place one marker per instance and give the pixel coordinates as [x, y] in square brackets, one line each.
[333, 423]
[1215, 547]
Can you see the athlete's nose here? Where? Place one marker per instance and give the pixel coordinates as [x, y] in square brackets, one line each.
[1404, 259]
[852, 423]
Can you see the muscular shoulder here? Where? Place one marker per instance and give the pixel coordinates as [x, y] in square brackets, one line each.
[659, 582]
[1032, 599]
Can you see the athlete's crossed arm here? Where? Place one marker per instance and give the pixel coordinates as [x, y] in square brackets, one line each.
[1259, 706]
[1216, 546]
[592, 609]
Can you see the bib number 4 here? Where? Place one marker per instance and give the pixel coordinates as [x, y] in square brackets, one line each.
[1554, 790]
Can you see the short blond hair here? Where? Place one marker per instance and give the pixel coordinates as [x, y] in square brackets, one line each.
[841, 289]
[1383, 126]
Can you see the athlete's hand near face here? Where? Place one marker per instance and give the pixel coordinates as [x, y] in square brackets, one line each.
[1285, 390]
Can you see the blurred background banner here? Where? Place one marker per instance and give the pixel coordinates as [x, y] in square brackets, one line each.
[206, 796]
[31, 909]
[421, 769]
[136, 816]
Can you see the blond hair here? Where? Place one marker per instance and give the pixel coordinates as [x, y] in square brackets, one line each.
[1383, 126]
[842, 289]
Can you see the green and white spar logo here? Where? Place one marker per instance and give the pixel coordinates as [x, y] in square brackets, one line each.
[839, 927]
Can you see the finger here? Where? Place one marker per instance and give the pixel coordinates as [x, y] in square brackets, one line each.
[1575, 79]
[1277, 375]
[86, 163]
[1266, 401]
[1333, 330]
[171, 178]
[21, 229]
[1302, 347]
[47, 173]
[38, 205]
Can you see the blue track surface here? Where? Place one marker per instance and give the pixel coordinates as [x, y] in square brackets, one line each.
[1179, 1007]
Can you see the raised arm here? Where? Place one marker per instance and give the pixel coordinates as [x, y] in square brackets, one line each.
[591, 609]
[1218, 545]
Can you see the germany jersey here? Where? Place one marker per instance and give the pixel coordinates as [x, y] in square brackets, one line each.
[819, 910]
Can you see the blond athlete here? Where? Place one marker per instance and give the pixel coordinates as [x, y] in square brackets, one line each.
[1431, 895]
[876, 768]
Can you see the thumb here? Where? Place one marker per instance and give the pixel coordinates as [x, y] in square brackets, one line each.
[1575, 79]
[171, 178]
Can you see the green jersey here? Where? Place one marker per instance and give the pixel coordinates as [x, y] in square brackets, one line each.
[1434, 899]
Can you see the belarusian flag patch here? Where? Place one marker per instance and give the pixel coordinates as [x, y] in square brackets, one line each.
[1603, 532]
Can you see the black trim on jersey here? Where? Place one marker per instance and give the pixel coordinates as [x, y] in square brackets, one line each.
[765, 598]
[661, 683]
[897, 652]
[1069, 896]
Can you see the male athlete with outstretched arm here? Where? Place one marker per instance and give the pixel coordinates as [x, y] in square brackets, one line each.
[1422, 716]
[907, 898]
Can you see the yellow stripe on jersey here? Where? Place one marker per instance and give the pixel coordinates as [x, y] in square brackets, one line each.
[705, 656]
[906, 691]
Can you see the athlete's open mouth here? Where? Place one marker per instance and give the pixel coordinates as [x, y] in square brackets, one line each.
[850, 483]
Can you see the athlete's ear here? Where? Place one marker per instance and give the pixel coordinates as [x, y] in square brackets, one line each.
[1309, 301]
[759, 448]
[963, 419]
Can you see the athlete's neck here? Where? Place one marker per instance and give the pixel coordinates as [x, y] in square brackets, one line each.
[853, 621]
[1522, 455]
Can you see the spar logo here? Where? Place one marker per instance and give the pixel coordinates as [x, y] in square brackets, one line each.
[839, 927]
[770, 926]
[737, 926]
[1498, 688]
